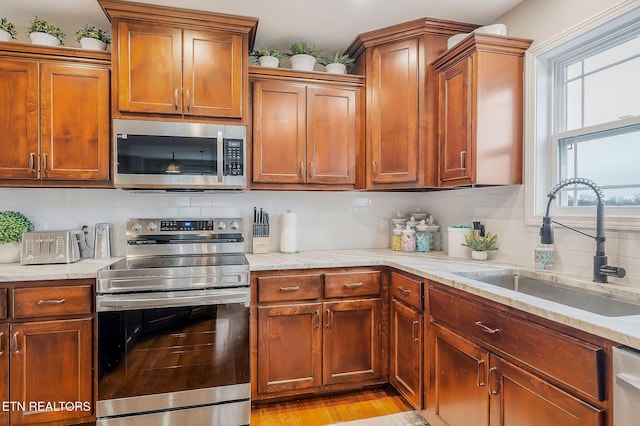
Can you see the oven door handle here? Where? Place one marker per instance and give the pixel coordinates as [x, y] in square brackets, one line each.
[124, 302]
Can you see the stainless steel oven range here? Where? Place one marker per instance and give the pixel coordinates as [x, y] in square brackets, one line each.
[173, 326]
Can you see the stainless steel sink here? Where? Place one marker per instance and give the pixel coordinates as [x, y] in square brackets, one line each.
[586, 300]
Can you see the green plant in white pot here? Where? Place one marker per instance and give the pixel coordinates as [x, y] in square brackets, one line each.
[40, 31]
[7, 30]
[303, 56]
[480, 245]
[268, 57]
[12, 226]
[92, 38]
[336, 63]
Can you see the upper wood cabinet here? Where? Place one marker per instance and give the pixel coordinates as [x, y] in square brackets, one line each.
[171, 62]
[400, 98]
[54, 125]
[307, 131]
[480, 86]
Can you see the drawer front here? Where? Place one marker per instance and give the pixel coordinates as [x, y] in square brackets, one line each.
[572, 362]
[33, 302]
[407, 290]
[288, 288]
[3, 303]
[350, 284]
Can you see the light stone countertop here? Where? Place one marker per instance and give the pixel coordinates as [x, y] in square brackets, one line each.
[85, 268]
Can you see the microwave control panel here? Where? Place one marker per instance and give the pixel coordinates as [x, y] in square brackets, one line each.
[233, 157]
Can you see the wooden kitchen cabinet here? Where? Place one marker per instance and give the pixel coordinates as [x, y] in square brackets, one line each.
[307, 131]
[46, 352]
[401, 111]
[178, 63]
[407, 343]
[480, 111]
[501, 370]
[55, 126]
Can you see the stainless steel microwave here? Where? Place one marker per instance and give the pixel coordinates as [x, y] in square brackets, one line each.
[179, 156]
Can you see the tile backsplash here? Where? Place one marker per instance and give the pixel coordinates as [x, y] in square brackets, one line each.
[330, 220]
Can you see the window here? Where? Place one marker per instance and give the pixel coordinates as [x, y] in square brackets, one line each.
[587, 118]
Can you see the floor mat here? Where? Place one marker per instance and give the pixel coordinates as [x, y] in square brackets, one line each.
[407, 418]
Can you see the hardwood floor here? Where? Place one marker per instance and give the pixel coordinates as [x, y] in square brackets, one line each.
[330, 409]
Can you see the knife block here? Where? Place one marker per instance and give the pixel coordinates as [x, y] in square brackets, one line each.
[261, 245]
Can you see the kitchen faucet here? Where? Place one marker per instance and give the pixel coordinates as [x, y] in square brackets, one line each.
[600, 268]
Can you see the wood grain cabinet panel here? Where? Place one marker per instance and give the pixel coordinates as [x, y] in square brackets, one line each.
[64, 300]
[4, 371]
[289, 288]
[351, 284]
[407, 349]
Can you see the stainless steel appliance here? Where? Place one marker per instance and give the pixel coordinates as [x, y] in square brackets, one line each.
[102, 241]
[173, 326]
[626, 386]
[45, 247]
[179, 156]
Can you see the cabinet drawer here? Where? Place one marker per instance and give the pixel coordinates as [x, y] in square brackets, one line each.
[407, 290]
[570, 361]
[3, 303]
[51, 301]
[288, 288]
[349, 284]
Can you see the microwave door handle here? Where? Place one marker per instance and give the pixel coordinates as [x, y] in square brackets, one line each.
[219, 160]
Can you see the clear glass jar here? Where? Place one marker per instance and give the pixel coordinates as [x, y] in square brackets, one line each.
[396, 240]
[422, 238]
[408, 239]
[435, 237]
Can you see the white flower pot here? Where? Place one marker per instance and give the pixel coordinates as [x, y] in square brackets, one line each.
[10, 252]
[336, 68]
[44, 39]
[269, 61]
[5, 36]
[479, 255]
[89, 43]
[303, 62]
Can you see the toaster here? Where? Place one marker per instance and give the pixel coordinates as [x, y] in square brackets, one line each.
[45, 247]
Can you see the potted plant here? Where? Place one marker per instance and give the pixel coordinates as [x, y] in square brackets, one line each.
[7, 30]
[12, 226]
[336, 63]
[268, 57]
[93, 38]
[45, 33]
[480, 245]
[303, 56]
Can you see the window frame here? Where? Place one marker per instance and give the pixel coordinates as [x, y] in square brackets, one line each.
[541, 114]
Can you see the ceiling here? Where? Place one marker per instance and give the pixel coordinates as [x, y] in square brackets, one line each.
[327, 24]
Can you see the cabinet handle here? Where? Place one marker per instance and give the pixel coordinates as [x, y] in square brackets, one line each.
[486, 329]
[14, 344]
[51, 301]
[294, 288]
[301, 170]
[414, 334]
[404, 291]
[328, 318]
[188, 100]
[32, 162]
[353, 285]
[175, 98]
[44, 163]
[317, 318]
[493, 391]
[2, 343]
[374, 169]
[219, 160]
[480, 376]
[463, 160]
[310, 170]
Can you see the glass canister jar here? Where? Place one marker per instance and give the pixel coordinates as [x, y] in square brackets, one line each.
[435, 237]
[396, 239]
[408, 239]
[422, 237]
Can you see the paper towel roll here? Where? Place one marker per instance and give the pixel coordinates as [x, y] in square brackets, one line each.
[288, 233]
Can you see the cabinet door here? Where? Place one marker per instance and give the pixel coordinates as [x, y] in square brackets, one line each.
[64, 374]
[149, 68]
[331, 135]
[212, 69]
[406, 352]
[519, 398]
[74, 122]
[393, 121]
[289, 347]
[4, 371]
[18, 119]
[278, 132]
[455, 124]
[351, 350]
[459, 389]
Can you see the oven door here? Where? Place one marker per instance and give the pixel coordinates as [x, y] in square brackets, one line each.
[167, 356]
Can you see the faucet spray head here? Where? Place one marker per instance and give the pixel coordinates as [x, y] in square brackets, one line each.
[546, 231]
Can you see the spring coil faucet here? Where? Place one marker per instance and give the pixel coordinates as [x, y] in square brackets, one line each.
[600, 268]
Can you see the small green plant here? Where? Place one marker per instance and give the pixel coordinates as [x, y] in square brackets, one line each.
[93, 32]
[336, 58]
[302, 48]
[12, 226]
[8, 27]
[39, 25]
[266, 51]
[477, 243]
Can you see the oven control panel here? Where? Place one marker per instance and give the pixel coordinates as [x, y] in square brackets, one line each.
[138, 227]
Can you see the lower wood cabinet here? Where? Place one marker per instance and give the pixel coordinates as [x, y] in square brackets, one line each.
[46, 353]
